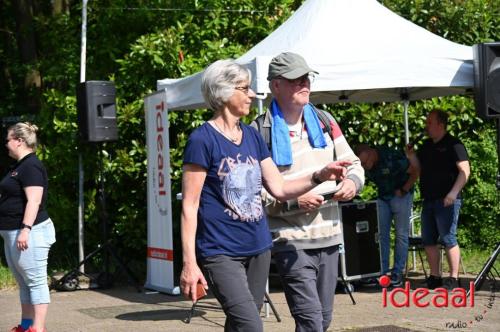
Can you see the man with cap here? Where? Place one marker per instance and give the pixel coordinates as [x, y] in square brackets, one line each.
[306, 232]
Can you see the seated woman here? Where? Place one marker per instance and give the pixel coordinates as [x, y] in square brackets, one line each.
[223, 223]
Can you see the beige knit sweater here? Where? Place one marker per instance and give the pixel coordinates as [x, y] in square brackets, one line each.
[295, 229]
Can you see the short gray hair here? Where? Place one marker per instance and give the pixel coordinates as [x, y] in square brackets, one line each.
[25, 131]
[220, 79]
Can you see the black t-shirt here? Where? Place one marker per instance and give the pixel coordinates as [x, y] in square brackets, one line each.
[27, 172]
[438, 162]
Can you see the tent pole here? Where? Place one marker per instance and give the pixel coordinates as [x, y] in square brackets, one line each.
[260, 105]
[407, 130]
[81, 176]
[406, 103]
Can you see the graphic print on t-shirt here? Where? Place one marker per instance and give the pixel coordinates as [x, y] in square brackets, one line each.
[241, 186]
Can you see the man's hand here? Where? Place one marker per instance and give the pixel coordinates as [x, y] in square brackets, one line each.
[399, 193]
[310, 201]
[449, 199]
[346, 192]
[190, 276]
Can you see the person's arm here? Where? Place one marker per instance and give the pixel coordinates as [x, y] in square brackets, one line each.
[413, 171]
[34, 196]
[355, 177]
[288, 189]
[192, 183]
[463, 175]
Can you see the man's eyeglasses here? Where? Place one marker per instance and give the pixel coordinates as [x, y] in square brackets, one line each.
[302, 80]
[245, 89]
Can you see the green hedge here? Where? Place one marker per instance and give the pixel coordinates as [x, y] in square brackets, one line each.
[134, 48]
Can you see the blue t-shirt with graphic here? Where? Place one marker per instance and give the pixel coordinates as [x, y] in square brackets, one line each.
[231, 219]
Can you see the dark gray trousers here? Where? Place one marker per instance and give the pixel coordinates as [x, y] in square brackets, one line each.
[309, 279]
[239, 284]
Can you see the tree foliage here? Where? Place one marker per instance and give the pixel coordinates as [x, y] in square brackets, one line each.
[134, 43]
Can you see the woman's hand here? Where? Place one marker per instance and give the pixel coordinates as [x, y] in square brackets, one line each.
[335, 170]
[190, 276]
[22, 239]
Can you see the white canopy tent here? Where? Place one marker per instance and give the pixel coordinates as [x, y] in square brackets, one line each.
[362, 51]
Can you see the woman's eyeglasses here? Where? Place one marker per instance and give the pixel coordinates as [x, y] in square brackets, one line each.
[245, 89]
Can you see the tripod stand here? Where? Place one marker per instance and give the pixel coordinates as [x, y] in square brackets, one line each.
[104, 279]
[486, 270]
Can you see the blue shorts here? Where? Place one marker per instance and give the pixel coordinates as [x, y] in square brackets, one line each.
[440, 222]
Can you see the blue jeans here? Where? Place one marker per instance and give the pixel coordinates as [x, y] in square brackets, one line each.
[399, 209]
[440, 222]
[29, 267]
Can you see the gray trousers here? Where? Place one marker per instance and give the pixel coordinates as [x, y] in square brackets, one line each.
[239, 284]
[309, 279]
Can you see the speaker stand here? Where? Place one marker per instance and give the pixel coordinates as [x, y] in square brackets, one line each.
[104, 279]
[486, 270]
[498, 154]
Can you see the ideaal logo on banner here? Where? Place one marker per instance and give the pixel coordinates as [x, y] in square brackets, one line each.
[160, 193]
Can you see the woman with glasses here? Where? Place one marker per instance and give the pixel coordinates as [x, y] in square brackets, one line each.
[223, 224]
[25, 226]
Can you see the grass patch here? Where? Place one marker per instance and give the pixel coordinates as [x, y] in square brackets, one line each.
[6, 278]
[472, 258]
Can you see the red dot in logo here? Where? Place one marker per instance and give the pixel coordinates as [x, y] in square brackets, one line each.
[384, 281]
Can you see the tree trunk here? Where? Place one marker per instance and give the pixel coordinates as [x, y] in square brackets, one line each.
[60, 7]
[26, 41]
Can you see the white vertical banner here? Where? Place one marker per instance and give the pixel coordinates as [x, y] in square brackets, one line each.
[160, 256]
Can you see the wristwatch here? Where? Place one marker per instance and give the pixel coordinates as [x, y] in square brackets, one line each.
[316, 179]
[23, 226]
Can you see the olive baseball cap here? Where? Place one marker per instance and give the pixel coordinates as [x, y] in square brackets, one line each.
[288, 65]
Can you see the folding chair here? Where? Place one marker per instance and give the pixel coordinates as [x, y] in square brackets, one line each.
[416, 245]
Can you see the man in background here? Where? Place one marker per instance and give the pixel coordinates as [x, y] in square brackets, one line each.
[394, 175]
[445, 169]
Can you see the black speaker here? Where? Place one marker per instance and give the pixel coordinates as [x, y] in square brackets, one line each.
[97, 111]
[487, 79]
[361, 255]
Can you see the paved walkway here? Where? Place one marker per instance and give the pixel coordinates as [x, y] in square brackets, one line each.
[125, 309]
